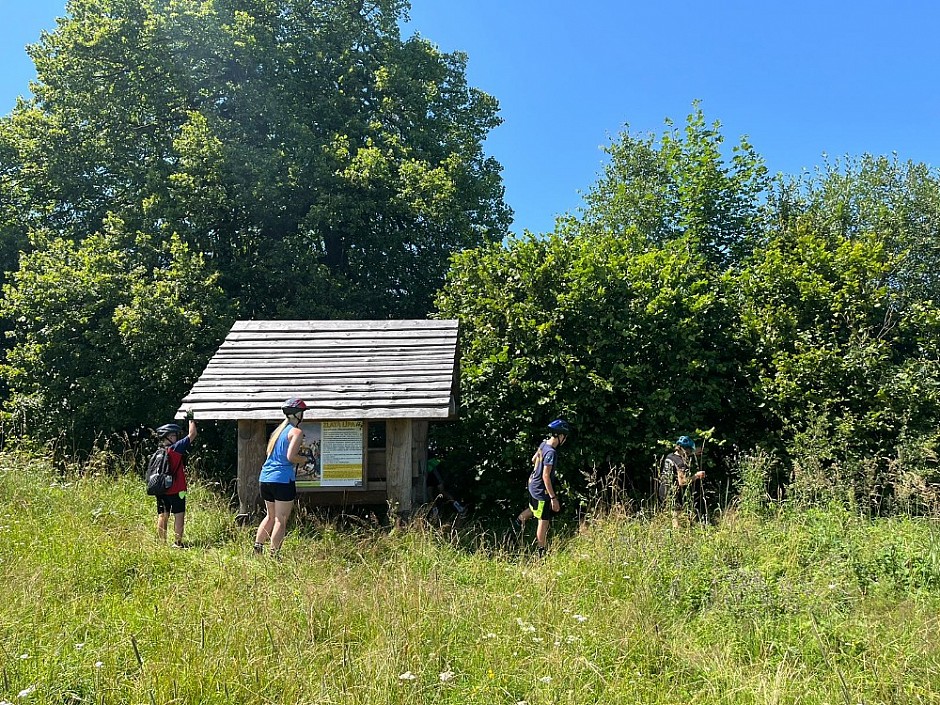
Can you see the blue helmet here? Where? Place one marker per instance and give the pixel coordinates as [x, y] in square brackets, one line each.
[559, 427]
[686, 442]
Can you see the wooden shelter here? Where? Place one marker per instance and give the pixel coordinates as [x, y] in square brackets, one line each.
[380, 381]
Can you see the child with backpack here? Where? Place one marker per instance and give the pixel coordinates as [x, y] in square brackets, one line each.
[173, 500]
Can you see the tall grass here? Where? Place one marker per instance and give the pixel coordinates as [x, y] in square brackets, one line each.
[820, 607]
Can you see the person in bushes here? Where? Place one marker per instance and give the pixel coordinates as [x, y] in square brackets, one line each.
[543, 497]
[278, 476]
[676, 477]
[174, 501]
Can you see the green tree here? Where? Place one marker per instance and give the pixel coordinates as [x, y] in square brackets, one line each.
[107, 336]
[620, 320]
[631, 347]
[299, 155]
[654, 190]
[288, 141]
[839, 307]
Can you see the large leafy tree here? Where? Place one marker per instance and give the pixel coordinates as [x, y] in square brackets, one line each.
[620, 320]
[310, 159]
[302, 147]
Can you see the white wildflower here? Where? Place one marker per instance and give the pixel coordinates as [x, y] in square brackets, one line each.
[27, 692]
[407, 676]
[98, 664]
[446, 676]
[580, 618]
[80, 645]
[545, 679]
[24, 656]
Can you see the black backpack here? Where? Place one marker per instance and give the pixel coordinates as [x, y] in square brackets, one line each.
[158, 475]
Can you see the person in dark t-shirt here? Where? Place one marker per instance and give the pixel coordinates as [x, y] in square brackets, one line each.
[543, 499]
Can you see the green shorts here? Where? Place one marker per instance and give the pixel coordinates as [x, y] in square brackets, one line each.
[541, 508]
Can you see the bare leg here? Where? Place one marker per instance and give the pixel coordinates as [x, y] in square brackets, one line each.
[179, 521]
[282, 512]
[267, 524]
[162, 520]
[541, 534]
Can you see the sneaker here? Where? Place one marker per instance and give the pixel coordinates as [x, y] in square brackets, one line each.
[459, 507]
[179, 544]
[259, 548]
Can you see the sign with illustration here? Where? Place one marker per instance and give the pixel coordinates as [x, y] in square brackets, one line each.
[334, 454]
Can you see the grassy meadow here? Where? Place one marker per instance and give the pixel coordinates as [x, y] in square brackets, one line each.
[816, 607]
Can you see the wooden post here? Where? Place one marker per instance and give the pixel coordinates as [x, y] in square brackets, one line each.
[419, 460]
[398, 438]
[252, 447]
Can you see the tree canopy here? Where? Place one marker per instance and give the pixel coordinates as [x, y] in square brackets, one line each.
[694, 293]
[310, 159]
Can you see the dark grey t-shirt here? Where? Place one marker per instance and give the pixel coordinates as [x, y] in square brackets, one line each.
[545, 456]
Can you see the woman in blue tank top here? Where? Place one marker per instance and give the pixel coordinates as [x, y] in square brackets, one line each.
[278, 489]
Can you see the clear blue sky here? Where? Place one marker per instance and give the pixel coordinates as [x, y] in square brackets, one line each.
[801, 79]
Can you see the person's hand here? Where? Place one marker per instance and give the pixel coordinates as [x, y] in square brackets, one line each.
[556, 505]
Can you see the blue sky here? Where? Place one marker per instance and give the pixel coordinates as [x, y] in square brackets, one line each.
[800, 79]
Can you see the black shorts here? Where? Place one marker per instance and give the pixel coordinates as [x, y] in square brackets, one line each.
[279, 491]
[541, 508]
[171, 504]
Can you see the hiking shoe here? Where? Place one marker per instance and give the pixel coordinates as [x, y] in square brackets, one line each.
[258, 548]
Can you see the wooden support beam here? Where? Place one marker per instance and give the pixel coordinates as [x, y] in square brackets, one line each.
[419, 460]
[399, 438]
[252, 447]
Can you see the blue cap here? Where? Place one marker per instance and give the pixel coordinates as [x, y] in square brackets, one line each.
[686, 442]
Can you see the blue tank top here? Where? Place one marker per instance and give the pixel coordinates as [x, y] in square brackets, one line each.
[277, 468]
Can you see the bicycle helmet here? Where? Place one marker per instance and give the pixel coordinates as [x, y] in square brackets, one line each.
[293, 406]
[559, 427]
[168, 428]
[686, 442]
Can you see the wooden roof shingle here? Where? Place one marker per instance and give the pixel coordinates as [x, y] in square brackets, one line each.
[341, 369]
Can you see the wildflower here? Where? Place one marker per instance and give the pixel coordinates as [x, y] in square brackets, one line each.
[407, 676]
[446, 676]
[24, 656]
[545, 679]
[80, 645]
[5, 702]
[489, 635]
[27, 692]
[519, 702]
[490, 674]
[98, 664]
[580, 618]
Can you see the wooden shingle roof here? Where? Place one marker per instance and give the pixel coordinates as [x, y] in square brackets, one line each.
[341, 369]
